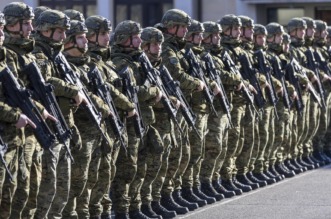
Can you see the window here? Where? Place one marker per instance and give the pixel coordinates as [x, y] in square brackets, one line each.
[87, 7]
[323, 13]
[146, 12]
[283, 15]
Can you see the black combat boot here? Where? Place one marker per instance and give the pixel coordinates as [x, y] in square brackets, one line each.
[290, 166]
[298, 165]
[319, 157]
[147, 210]
[209, 190]
[228, 185]
[95, 217]
[122, 216]
[168, 202]
[197, 191]
[303, 163]
[137, 214]
[221, 190]
[309, 160]
[242, 178]
[326, 159]
[276, 177]
[282, 169]
[106, 216]
[263, 177]
[160, 210]
[239, 185]
[253, 179]
[328, 154]
[177, 196]
[188, 195]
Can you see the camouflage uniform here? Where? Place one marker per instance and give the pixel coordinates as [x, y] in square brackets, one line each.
[55, 183]
[11, 135]
[129, 184]
[18, 56]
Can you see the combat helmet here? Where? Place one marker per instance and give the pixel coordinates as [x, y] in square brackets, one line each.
[151, 35]
[125, 30]
[274, 29]
[296, 23]
[310, 22]
[286, 38]
[320, 25]
[195, 27]
[74, 15]
[328, 29]
[259, 29]
[17, 12]
[228, 21]
[175, 17]
[211, 27]
[246, 21]
[37, 11]
[2, 19]
[76, 27]
[95, 24]
[52, 19]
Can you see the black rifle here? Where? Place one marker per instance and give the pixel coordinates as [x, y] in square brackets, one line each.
[72, 77]
[248, 73]
[3, 150]
[173, 88]
[153, 76]
[312, 65]
[17, 96]
[43, 92]
[130, 90]
[103, 91]
[230, 66]
[197, 72]
[265, 69]
[214, 75]
[278, 73]
[323, 64]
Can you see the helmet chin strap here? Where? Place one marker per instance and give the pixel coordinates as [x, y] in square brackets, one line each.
[20, 32]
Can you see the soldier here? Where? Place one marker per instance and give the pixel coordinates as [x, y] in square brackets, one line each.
[54, 188]
[274, 42]
[321, 50]
[152, 40]
[99, 50]
[125, 53]
[218, 126]
[174, 25]
[74, 15]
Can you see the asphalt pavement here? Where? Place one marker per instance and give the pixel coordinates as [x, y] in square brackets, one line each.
[304, 196]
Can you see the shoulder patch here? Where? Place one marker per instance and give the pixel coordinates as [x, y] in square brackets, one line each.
[173, 60]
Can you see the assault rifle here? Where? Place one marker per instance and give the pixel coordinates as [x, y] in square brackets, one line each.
[103, 91]
[43, 92]
[173, 88]
[230, 66]
[197, 72]
[153, 76]
[130, 90]
[17, 96]
[280, 76]
[312, 65]
[323, 64]
[71, 77]
[266, 70]
[3, 150]
[248, 73]
[214, 75]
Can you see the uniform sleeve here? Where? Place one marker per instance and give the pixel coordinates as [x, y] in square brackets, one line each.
[120, 100]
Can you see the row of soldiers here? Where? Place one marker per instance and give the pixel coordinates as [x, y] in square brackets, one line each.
[154, 122]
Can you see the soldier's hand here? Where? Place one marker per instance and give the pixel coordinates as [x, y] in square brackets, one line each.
[178, 104]
[294, 95]
[201, 86]
[252, 89]
[80, 98]
[132, 113]
[280, 91]
[238, 88]
[313, 79]
[326, 78]
[23, 121]
[46, 115]
[265, 85]
[217, 90]
[158, 97]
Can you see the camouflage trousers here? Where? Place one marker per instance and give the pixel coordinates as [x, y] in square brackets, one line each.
[191, 176]
[165, 128]
[217, 126]
[148, 165]
[233, 143]
[79, 169]
[244, 152]
[48, 184]
[127, 164]
[22, 193]
[266, 134]
[303, 123]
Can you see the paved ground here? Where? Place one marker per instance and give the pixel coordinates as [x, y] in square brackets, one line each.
[305, 196]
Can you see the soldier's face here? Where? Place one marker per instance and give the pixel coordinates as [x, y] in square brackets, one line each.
[260, 40]
[286, 47]
[278, 38]
[155, 48]
[182, 30]
[2, 35]
[300, 33]
[136, 41]
[324, 34]
[81, 41]
[236, 31]
[59, 34]
[248, 33]
[197, 38]
[103, 39]
[216, 39]
[26, 29]
[310, 32]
